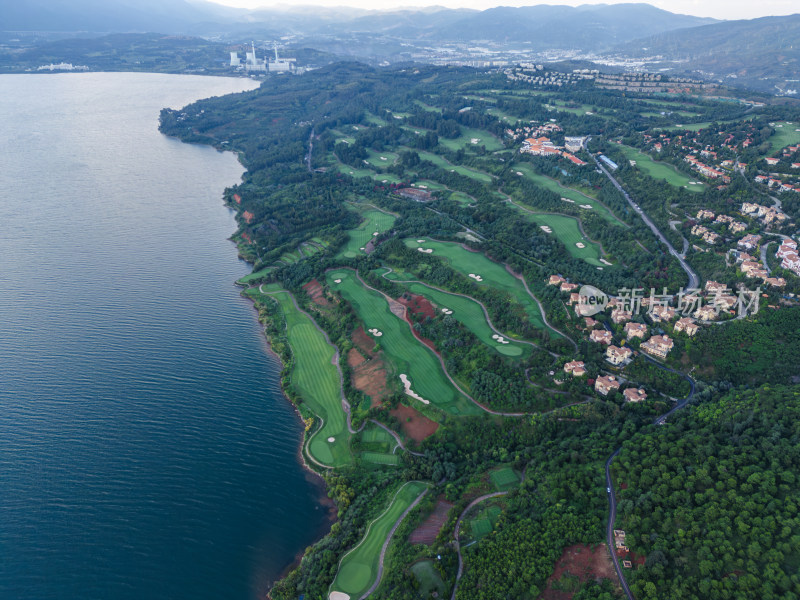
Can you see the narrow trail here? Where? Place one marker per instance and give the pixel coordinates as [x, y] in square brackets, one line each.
[396, 437]
[457, 542]
[386, 542]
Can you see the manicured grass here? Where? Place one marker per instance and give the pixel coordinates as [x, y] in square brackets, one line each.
[503, 116]
[407, 354]
[785, 135]
[568, 233]
[493, 274]
[443, 164]
[427, 107]
[428, 578]
[659, 170]
[432, 186]
[470, 314]
[484, 521]
[315, 378]
[353, 172]
[566, 192]
[379, 458]
[504, 478]
[560, 105]
[375, 434]
[359, 567]
[373, 221]
[380, 159]
[374, 120]
[465, 140]
[253, 277]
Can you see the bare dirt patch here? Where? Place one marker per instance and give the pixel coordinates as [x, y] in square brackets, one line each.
[414, 424]
[428, 530]
[314, 289]
[354, 358]
[370, 377]
[363, 341]
[419, 305]
[583, 562]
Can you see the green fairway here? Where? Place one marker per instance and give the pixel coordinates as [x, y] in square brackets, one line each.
[374, 221]
[492, 274]
[408, 355]
[380, 159]
[504, 478]
[568, 233]
[428, 578]
[470, 138]
[315, 378]
[578, 198]
[359, 567]
[503, 116]
[786, 134]
[443, 164]
[483, 522]
[353, 172]
[469, 313]
[254, 277]
[659, 170]
[380, 458]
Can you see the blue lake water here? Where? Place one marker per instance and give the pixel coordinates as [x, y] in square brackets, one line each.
[146, 450]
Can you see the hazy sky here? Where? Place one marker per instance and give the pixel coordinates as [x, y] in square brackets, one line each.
[719, 9]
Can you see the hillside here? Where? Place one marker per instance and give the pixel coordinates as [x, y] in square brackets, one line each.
[767, 47]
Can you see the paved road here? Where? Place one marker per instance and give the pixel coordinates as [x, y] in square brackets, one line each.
[612, 499]
[764, 249]
[694, 280]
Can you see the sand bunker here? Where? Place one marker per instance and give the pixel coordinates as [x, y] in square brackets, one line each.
[545, 228]
[407, 384]
[587, 206]
[519, 173]
[420, 241]
[337, 281]
[476, 277]
[375, 332]
[331, 439]
[568, 200]
[426, 250]
[580, 244]
[338, 596]
[447, 311]
[500, 339]
[605, 262]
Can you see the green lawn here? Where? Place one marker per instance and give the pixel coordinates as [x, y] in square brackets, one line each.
[567, 232]
[503, 116]
[443, 164]
[380, 159]
[254, 277]
[483, 522]
[407, 354]
[359, 567]
[504, 478]
[380, 458]
[428, 578]
[788, 134]
[354, 172]
[659, 170]
[579, 198]
[373, 221]
[316, 379]
[465, 140]
[469, 313]
[493, 274]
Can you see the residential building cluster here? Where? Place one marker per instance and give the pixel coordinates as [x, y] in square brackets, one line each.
[543, 146]
[539, 75]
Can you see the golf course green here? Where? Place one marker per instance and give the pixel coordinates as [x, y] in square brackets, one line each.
[409, 357]
[492, 274]
[659, 170]
[358, 568]
[470, 314]
[316, 379]
[374, 221]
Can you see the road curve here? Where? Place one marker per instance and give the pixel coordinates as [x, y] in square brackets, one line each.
[388, 539]
[612, 499]
[694, 280]
[455, 535]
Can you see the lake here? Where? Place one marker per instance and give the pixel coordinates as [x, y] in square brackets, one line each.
[146, 449]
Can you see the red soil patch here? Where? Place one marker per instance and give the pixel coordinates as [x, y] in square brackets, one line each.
[237, 198]
[428, 530]
[582, 562]
[419, 427]
[354, 358]
[370, 377]
[363, 341]
[419, 305]
[314, 289]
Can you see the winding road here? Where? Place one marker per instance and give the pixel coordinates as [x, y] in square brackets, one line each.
[694, 280]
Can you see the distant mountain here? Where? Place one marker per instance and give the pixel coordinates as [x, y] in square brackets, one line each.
[587, 27]
[768, 47]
